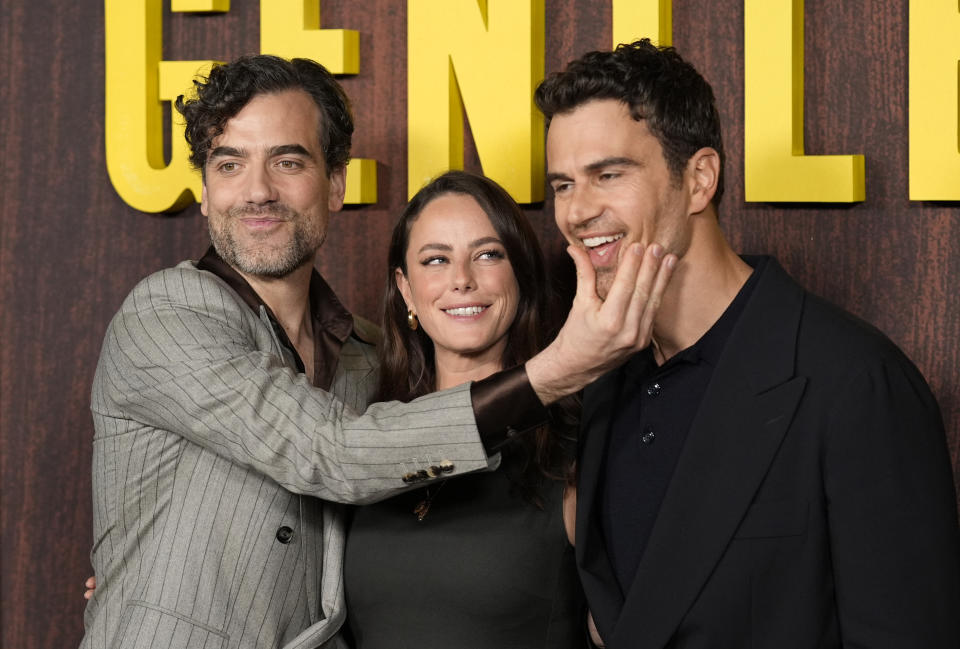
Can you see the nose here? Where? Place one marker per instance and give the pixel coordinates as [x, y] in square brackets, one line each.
[259, 188]
[463, 276]
[582, 205]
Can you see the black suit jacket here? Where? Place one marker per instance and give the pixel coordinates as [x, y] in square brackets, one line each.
[812, 505]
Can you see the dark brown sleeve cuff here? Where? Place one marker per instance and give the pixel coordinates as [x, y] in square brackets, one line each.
[504, 405]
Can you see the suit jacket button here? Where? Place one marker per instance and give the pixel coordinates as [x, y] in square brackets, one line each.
[285, 534]
[648, 436]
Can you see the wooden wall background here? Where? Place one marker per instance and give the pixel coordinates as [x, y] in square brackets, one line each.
[70, 249]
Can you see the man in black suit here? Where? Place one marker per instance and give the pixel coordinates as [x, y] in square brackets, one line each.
[771, 472]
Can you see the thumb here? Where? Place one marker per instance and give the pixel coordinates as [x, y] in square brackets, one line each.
[586, 275]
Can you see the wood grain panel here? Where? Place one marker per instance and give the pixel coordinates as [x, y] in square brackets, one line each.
[70, 249]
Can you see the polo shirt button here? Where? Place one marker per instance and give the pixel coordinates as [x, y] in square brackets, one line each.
[285, 534]
[654, 390]
[648, 436]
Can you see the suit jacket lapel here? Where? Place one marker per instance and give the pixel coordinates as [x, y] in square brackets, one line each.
[596, 572]
[741, 422]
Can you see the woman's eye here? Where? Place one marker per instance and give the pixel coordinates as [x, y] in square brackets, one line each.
[491, 254]
[434, 261]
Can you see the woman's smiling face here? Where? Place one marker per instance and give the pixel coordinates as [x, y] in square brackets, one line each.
[459, 280]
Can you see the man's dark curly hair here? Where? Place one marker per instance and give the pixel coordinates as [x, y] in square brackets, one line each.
[230, 86]
[657, 85]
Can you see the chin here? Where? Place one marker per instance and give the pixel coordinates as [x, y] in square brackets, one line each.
[465, 349]
[604, 282]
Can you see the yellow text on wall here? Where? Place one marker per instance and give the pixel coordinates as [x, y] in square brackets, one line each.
[485, 56]
[635, 19]
[138, 82]
[934, 100]
[775, 166]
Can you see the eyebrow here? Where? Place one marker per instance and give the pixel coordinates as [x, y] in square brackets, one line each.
[553, 175]
[226, 152]
[288, 149]
[280, 149]
[620, 161]
[444, 247]
[596, 166]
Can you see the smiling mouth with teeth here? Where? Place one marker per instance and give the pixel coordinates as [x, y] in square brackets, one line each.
[465, 310]
[590, 243]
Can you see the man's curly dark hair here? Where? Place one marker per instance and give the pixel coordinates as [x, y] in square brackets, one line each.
[230, 86]
[658, 86]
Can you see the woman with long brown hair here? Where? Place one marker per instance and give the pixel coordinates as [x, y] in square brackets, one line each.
[485, 560]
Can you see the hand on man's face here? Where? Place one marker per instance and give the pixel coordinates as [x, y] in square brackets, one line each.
[600, 334]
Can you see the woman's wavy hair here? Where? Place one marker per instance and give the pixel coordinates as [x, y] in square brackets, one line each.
[230, 86]
[407, 356]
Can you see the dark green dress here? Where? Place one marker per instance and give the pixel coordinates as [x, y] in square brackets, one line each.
[484, 569]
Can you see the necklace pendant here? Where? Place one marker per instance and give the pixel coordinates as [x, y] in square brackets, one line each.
[420, 511]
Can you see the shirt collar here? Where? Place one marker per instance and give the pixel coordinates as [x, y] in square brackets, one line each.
[711, 344]
[332, 322]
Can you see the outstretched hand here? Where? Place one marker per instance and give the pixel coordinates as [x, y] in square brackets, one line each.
[600, 334]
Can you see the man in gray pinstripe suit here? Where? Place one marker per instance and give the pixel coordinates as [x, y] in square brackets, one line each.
[231, 398]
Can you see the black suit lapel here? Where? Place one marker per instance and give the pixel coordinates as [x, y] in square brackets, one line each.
[741, 422]
[596, 572]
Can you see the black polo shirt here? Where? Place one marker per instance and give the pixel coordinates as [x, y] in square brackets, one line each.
[655, 408]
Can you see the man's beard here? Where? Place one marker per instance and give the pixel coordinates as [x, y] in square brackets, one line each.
[604, 280]
[276, 261]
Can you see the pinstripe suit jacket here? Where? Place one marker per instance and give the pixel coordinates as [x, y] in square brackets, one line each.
[211, 456]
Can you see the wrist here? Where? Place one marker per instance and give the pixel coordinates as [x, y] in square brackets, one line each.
[550, 378]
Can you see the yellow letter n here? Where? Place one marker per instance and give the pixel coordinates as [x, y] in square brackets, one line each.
[775, 167]
[486, 55]
[934, 100]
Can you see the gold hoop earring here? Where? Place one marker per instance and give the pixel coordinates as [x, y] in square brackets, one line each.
[412, 320]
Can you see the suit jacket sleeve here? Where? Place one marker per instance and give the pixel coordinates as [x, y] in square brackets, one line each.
[892, 513]
[186, 356]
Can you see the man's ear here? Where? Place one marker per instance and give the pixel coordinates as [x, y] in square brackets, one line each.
[703, 169]
[404, 287]
[338, 187]
[203, 199]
